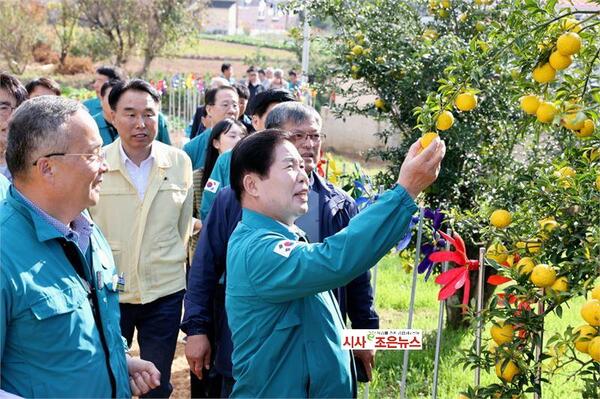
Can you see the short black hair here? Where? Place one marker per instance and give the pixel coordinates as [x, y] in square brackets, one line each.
[225, 67]
[261, 71]
[259, 104]
[221, 128]
[112, 72]
[292, 73]
[254, 154]
[251, 69]
[134, 84]
[14, 87]
[211, 95]
[107, 85]
[242, 90]
[48, 83]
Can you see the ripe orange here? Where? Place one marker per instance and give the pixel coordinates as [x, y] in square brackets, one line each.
[586, 333]
[543, 276]
[587, 130]
[594, 348]
[500, 218]
[560, 285]
[525, 265]
[466, 101]
[590, 311]
[444, 121]
[426, 139]
[559, 61]
[502, 333]
[568, 43]
[506, 372]
[546, 112]
[544, 73]
[530, 103]
[497, 252]
[574, 120]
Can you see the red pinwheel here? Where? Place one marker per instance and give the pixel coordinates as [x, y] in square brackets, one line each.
[455, 279]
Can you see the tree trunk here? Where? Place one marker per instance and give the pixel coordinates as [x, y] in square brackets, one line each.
[148, 57]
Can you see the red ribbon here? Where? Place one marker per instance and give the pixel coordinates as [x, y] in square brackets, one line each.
[454, 279]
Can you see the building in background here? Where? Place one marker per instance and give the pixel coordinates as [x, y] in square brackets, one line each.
[250, 17]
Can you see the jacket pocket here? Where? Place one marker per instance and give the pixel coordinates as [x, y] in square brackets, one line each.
[59, 302]
[115, 247]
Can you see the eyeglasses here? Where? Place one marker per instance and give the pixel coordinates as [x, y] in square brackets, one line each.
[92, 158]
[300, 137]
[6, 109]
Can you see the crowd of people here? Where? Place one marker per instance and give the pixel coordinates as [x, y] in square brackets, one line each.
[107, 230]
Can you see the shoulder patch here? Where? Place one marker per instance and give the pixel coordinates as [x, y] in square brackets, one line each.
[284, 247]
[212, 186]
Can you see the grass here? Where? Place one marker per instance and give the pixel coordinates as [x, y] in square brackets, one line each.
[392, 302]
[209, 48]
[266, 41]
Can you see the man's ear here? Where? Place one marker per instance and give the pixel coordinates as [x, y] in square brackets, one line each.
[45, 169]
[250, 183]
[256, 122]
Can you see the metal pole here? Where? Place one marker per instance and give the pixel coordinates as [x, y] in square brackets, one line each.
[478, 334]
[438, 339]
[411, 306]
[538, 352]
[305, 48]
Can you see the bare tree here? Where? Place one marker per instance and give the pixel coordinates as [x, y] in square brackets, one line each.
[17, 32]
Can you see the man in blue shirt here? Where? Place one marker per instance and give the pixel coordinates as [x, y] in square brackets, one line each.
[221, 103]
[285, 324]
[59, 310]
[103, 75]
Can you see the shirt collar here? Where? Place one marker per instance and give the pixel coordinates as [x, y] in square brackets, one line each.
[126, 159]
[47, 226]
[259, 221]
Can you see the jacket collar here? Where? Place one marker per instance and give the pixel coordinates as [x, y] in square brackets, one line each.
[113, 156]
[44, 230]
[259, 221]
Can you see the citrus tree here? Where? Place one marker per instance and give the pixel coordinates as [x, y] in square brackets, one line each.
[512, 87]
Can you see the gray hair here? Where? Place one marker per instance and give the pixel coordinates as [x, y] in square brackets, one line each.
[38, 127]
[292, 112]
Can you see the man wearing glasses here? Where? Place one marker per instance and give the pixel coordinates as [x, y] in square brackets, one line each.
[221, 103]
[12, 94]
[59, 312]
[145, 210]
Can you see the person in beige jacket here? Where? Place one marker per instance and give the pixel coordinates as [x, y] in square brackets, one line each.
[145, 212]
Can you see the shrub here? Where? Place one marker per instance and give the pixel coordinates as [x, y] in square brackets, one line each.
[74, 65]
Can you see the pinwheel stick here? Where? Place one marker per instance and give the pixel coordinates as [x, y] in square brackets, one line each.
[438, 339]
[411, 306]
[480, 279]
[538, 354]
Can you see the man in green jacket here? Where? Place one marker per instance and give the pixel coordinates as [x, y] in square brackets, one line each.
[59, 306]
[285, 323]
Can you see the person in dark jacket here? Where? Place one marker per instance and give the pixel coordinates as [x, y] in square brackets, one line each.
[330, 210]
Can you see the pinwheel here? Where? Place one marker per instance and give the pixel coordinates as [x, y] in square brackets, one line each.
[426, 265]
[454, 279]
